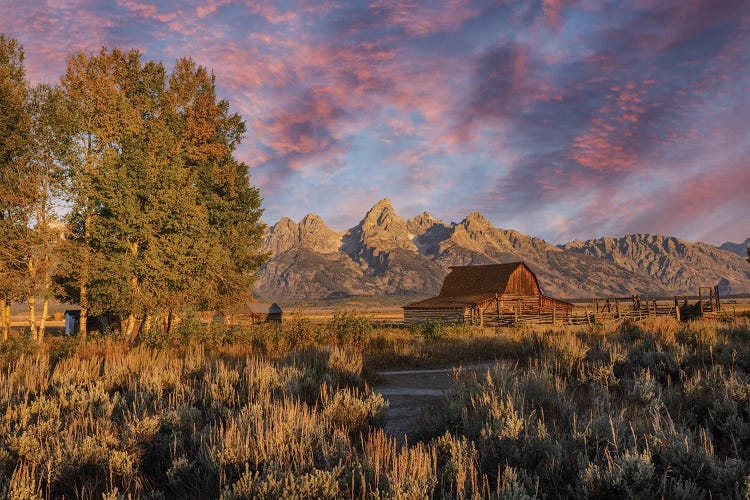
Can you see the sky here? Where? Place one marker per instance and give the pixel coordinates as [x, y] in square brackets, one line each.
[559, 118]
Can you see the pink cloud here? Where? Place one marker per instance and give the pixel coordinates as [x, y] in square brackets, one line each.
[419, 19]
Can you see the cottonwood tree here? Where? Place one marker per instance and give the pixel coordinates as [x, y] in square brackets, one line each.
[99, 115]
[210, 134]
[16, 192]
[163, 216]
[49, 137]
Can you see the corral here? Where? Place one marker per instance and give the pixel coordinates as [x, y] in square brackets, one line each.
[489, 295]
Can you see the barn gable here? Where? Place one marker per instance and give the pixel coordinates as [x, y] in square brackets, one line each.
[262, 308]
[470, 292]
[515, 278]
[466, 285]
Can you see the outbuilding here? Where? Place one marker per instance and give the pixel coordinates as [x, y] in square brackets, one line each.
[260, 312]
[494, 294]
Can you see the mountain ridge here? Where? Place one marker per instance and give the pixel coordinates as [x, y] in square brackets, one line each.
[385, 254]
[738, 248]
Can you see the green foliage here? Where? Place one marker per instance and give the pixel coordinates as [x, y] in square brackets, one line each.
[350, 328]
[16, 347]
[163, 217]
[17, 192]
[430, 331]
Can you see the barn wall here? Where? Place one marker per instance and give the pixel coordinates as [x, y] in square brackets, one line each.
[526, 308]
[522, 282]
[274, 317]
[416, 316]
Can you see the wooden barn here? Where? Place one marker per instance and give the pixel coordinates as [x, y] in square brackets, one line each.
[259, 312]
[491, 295]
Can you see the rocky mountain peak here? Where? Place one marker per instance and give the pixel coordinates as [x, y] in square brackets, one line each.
[384, 254]
[315, 235]
[678, 264]
[383, 229]
[475, 220]
[421, 223]
[312, 224]
[311, 233]
[573, 244]
[383, 215]
[282, 236]
[284, 224]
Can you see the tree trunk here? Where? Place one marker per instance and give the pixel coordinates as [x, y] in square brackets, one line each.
[146, 323]
[32, 317]
[84, 312]
[170, 321]
[43, 319]
[131, 333]
[32, 268]
[5, 323]
[130, 328]
[84, 299]
[7, 315]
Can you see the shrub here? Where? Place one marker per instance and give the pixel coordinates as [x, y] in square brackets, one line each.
[350, 328]
[318, 484]
[350, 409]
[432, 331]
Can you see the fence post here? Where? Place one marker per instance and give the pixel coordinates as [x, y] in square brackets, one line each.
[554, 313]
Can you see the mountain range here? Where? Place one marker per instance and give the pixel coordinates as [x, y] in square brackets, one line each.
[738, 248]
[387, 255]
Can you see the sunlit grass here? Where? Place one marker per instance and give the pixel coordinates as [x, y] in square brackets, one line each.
[650, 409]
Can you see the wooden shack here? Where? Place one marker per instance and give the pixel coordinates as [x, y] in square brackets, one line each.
[260, 312]
[491, 295]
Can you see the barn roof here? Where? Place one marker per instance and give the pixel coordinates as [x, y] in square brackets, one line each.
[479, 280]
[264, 308]
[468, 285]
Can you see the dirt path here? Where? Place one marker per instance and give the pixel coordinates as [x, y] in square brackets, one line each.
[411, 391]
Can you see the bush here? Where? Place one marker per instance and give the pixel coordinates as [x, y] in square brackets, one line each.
[431, 331]
[351, 329]
[352, 410]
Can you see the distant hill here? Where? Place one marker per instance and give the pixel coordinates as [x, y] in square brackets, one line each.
[387, 255]
[738, 248]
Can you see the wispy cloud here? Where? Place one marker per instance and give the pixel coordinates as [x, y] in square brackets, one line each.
[565, 118]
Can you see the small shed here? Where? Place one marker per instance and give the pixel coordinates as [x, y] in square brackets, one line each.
[491, 294]
[72, 321]
[260, 312]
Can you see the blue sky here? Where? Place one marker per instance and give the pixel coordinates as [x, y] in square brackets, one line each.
[562, 119]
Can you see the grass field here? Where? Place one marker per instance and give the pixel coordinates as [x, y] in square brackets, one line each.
[654, 409]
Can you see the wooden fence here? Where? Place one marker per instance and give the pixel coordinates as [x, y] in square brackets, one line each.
[527, 310]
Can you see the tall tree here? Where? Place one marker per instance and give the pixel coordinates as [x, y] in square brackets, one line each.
[164, 217]
[100, 114]
[210, 136]
[49, 139]
[16, 193]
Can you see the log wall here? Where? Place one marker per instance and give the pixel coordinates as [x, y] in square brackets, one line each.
[446, 316]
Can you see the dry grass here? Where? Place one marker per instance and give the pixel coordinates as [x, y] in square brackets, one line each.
[655, 409]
